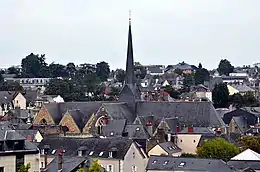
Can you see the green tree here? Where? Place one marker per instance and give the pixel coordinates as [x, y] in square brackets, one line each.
[24, 168]
[173, 93]
[1, 78]
[33, 65]
[103, 70]
[187, 81]
[249, 99]
[12, 70]
[10, 86]
[120, 75]
[251, 142]
[237, 100]
[140, 71]
[217, 148]
[201, 75]
[95, 167]
[220, 95]
[57, 70]
[188, 155]
[178, 71]
[71, 69]
[225, 67]
[80, 170]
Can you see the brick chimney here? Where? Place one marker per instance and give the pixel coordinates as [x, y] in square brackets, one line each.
[190, 129]
[60, 160]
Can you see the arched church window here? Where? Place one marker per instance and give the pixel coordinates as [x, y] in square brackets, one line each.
[43, 121]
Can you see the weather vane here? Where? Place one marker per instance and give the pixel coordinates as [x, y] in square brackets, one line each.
[129, 16]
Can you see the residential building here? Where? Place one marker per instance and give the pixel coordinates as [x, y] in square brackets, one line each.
[115, 154]
[165, 148]
[177, 164]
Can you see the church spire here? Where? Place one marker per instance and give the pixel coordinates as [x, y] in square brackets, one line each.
[130, 59]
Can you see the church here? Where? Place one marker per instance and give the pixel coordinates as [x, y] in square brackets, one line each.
[92, 118]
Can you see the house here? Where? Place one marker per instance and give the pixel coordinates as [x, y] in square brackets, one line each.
[239, 88]
[166, 148]
[244, 160]
[15, 151]
[202, 91]
[177, 164]
[114, 154]
[186, 68]
[240, 120]
[155, 70]
[31, 135]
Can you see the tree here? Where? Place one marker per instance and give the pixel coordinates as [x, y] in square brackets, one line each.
[95, 167]
[178, 71]
[80, 170]
[103, 70]
[173, 93]
[10, 86]
[200, 66]
[188, 155]
[71, 69]
[237, 100]
[33, 65]
[187, 81]
[250, 99]
[57, 70]
[251, 142]
[220, 95]
[1, 78]
[225, 67]
[24, 168]
[201, 75]
[12, 70]
[120, 75]
[217, 148]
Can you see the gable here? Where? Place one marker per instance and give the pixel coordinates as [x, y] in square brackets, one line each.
[43, 115]
[69, 122]
[157, 150]
[134, 152]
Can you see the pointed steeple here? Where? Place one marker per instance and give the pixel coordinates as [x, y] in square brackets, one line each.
[130, 59]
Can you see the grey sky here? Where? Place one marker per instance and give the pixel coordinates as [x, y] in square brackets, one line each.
[164, 31]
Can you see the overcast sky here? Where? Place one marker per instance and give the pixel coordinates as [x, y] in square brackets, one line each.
[164, 31]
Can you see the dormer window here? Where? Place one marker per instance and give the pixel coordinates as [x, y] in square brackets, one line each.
[53, 151]
[154, 162]
[181, 164]
[42, 151]
[91, 153]
[110, 154]
[165, 162]
[80, 153]
[101, 153]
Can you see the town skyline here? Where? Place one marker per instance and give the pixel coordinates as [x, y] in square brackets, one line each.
[93, 32]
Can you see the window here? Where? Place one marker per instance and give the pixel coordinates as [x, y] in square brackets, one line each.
[181, 140]
[110, 168]
[91, 153]
[165, 162]
[79, 153]
[53, 151]
[194, 141]
[134, 168]
[110, 154]
[133, 155]
[154, 162]
[181, 164]
[42, 165]
[42, 151]
[101, 153]
[112, 133]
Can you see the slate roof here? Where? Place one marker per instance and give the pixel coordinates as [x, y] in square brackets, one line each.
[198, 130]
[6, 96]
[114, 126]
[170, 163]
[30, 96]
[57, 110]
[150, 118]
[13, 135]
[242, 88]
[240, 165]
[250, 117]
[69, 163]
[119, 111]
[77, 116]
[97, 145]
[21, 113]
[247, 155]
[188, 113]
[136, 131]
[170, 147]
[26, 133]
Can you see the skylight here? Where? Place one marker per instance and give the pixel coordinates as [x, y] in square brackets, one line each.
[53, 151]
[165, 162]
[101, 153]
[91, 153]
[137, 129]
[170, 148]
[181, 164]
[154, 162]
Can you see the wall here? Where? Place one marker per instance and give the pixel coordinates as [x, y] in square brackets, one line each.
[38, 137]
[157, 150]
[43, 114]
[68, 121]
[19, 101]
[34, 160]
[8, 162]
[188, 142]
[134, 158]
[114, 162]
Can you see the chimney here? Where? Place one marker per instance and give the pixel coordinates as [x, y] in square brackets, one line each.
[178, 129]
[46, 149]
[149, 126]
[190, 129]
[29, 138]
[169, 137]
[60, 161]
